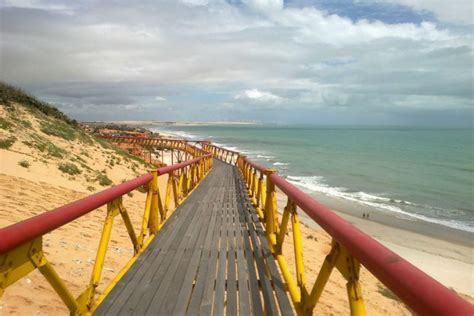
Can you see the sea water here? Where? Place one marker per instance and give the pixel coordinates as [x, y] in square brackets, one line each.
[423, 174]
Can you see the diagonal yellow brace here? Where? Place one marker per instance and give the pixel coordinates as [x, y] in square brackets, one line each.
[175, 190]
[283, 228]
[146, 217]
[129, 226]
[39, 260]
[298, 247]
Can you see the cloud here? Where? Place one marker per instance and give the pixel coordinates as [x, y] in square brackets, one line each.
[259, 96]
[205, 54]
[264, 5]
[159, 98]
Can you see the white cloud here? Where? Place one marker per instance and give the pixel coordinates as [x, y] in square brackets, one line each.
[257, 95]
[264, 5]
[160, 98]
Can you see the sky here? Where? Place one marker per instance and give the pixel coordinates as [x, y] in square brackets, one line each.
[323, 62]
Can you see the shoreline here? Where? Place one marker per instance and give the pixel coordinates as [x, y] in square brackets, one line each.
[434, 230]
[450, 262]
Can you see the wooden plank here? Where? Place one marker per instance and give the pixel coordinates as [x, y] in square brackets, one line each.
[231, 308]
[254, 284]
[244, 300]
[207, 263]
[205, 307]
[279, 288]
[280, 291]
[218, 304]
[166, 272]
[133, 278]
[267, 290]
[183, 277]
[182, 297]
[141, 297]
[204, 264]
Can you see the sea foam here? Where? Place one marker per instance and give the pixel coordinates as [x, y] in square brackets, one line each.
[317, 184]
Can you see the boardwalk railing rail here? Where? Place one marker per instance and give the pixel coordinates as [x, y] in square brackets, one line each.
[350, 248]
[182, 146]
[226, 155]
[21, 246]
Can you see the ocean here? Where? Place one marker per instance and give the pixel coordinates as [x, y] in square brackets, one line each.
[415, 174]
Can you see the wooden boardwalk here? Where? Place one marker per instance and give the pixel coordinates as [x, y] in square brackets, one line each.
[210, 257]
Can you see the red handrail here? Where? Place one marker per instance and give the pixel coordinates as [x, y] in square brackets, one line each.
[177, 166]
[14, 235]
[260, 168]
[222, 148]
[423, 294]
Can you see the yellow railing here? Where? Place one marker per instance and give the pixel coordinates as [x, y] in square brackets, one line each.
[349, 249]
[21, 247]
[263, 194]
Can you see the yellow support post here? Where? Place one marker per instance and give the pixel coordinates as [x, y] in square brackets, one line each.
[155, 207]
[254, 187]
[258, 197]
[169, 188]
[270, 210]
[175, 190]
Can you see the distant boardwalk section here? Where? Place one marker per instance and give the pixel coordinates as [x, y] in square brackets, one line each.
[210, 257]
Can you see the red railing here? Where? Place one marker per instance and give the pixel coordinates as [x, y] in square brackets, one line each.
[421, 293]
[21, 246]
[223, 154]
[14, 235]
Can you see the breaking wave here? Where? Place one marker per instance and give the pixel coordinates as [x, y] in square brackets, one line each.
[317, 184]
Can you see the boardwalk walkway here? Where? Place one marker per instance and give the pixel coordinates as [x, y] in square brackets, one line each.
[211, 257]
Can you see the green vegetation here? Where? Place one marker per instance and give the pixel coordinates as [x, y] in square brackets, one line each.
[91, 188]
[6, 143]
[388, 293]
[103, 179]
[84, 153]
[58, 129]
[5, 124]
[142, 189]
[25, 124]
[50, 121]
[51, 149]
[24, 163]
[83, 137]
[10, 95]
[69, 168]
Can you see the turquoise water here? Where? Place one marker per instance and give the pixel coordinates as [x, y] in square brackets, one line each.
[427, 174]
